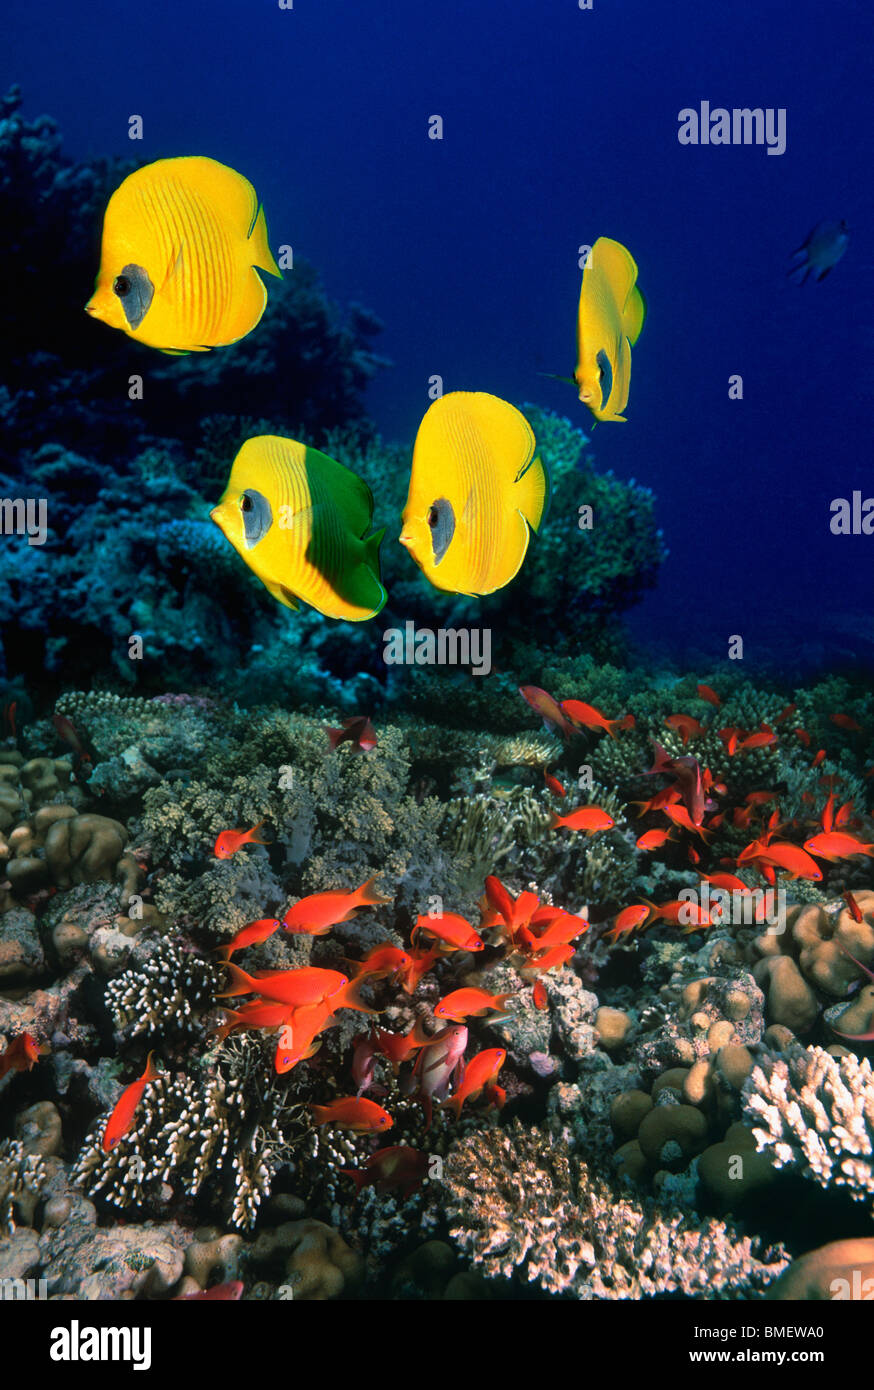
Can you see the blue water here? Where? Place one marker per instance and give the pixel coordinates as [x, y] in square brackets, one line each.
[560, 125]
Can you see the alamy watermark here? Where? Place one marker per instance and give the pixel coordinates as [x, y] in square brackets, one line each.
[463, 646]
[24, 516]
[742, 125]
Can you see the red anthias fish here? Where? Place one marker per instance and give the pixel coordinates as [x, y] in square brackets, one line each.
[398, 1167]
[251, 935]
[358, 731]
[686, 726]
[590, 718]
[318, 913]
[705, 693]
[690, 780]
[470, 1003]
[229, 841]
[353, 1113]
[629, 919]
[589, 819]
[21, 1053]
[122, 1116]
[480, 1072]
[454, 931]
[549, 710]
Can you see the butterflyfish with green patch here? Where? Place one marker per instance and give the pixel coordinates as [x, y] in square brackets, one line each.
[183, 240]
[299, 520]
[477, 491]
[609, 320]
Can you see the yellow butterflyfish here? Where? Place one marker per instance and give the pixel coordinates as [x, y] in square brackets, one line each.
[476, 493]
[298, 519]
[181, 242]
[609, 321]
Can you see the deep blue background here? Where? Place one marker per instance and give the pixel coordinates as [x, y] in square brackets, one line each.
[560, 126]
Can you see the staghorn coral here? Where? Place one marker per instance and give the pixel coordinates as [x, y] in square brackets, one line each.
[815, 1113]
[519, 1202]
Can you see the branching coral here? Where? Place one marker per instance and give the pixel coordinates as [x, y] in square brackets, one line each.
[519, 1201]
[164, 996]
[815, 1113]
[234, 1126]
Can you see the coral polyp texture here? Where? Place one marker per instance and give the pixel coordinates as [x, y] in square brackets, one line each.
[815, 1113]
[520, 1203]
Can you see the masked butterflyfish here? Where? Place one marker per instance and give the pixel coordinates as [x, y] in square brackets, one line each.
[610, 318]
[298, 519]
[476, 492]
[181, 240]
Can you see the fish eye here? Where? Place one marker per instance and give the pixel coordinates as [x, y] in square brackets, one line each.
[258, 516]
[121, 286]
[441, 520]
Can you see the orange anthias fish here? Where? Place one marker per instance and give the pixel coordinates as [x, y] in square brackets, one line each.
[837, 845]
[255, 1014]
[654, 839]
[629, 919]
[586, 716]
[763, 739]
[298, 1039]
[680, 817]
[298, 988]
[590, 819]
[317, 914]
[549, 710]
[383, 959]
[790, 858]
[398, 1047]
[818, 758]
[480, 1072]
[680, 912]
[548, 960]
[705, 693]
[21, 1053]
[539, 996]
[452, 930]
[846, 721]
[557, 928]
[553, 784]
[122, 1116]
[686, 726]
[229, 841]
[469, 1003]
[420, 964]
[251, 935]
[8, 711]
[396, 1167]
[359, 1115]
